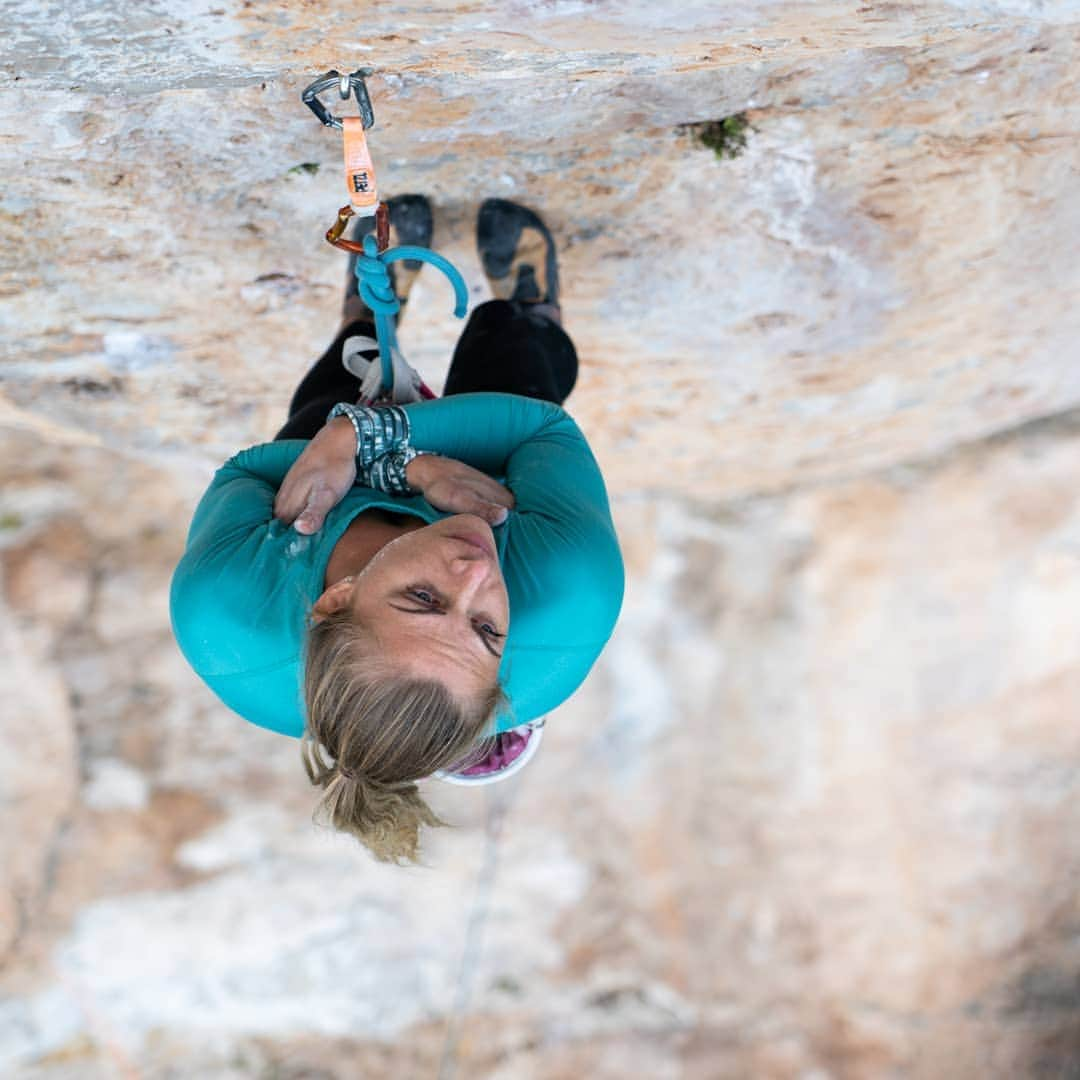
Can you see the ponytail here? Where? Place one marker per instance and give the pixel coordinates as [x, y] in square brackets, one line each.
[371, 734]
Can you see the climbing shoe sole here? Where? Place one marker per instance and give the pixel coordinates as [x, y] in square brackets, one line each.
[517, 252]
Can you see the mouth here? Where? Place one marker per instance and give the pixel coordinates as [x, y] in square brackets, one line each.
[477, 542]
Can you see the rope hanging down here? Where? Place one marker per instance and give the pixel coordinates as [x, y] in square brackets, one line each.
[397, 381]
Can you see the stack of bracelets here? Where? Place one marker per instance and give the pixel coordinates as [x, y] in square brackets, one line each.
[382, 446]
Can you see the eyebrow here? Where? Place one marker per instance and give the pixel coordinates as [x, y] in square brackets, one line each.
[435, 611]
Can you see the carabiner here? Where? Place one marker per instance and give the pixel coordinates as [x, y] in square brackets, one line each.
[382, 230]
[343, 83]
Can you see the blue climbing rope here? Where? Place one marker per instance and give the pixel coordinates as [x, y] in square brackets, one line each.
[377, 292]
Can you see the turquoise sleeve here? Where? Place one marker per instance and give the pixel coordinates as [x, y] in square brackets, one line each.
[226, 571]
[534, 444]
[242, 493]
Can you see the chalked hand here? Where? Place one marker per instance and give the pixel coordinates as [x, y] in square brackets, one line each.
[319, 478]
[458, 488]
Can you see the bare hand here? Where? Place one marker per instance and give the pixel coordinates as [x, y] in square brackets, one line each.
[458, 488]
[319, 478]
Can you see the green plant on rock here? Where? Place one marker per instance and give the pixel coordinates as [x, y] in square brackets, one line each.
[726, 138]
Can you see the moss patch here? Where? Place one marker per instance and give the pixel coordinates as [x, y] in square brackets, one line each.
[726, 138]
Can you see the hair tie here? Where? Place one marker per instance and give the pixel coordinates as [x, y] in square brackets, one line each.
[393, 786]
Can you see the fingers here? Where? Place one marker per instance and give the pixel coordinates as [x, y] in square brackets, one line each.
[491, 512]
[503, 496]
[285, 509]
[320, 502]
[495, 493]
[483, 486]
[307, 523]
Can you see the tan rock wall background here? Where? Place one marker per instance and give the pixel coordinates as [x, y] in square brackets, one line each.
[815, 813]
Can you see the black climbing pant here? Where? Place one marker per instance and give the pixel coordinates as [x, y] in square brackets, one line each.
[507, 347]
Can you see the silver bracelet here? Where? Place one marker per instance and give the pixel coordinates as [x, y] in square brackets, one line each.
[387, 474]
[378, 431]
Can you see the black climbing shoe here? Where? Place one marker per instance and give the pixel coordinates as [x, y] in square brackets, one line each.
[410, 223]
[518, 253]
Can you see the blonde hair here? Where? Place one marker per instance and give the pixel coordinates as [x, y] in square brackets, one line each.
[372, 733]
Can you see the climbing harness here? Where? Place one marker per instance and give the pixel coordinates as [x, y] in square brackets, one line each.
[394, 380]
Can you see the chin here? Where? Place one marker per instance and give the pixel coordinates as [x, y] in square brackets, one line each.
[470, 518]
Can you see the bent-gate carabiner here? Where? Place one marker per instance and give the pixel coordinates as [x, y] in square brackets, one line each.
[343, 83]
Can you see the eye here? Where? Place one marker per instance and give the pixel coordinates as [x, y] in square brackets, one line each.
[490, 630]
[424, 596]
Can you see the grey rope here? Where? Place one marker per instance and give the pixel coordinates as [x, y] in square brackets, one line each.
[498, 807]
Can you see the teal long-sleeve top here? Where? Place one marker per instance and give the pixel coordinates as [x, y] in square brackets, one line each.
[242, 593]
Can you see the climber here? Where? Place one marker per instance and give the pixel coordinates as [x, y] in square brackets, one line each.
[402, 586]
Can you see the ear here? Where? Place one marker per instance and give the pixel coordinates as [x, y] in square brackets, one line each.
[333, 599]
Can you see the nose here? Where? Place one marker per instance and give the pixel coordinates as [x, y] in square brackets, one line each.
[468, 568]
[468, 575]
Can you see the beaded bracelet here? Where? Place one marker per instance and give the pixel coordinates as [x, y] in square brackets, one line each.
[387, 474]
[378, 431]
[383, 452]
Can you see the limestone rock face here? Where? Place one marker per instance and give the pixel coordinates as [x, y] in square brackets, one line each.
[815, 812]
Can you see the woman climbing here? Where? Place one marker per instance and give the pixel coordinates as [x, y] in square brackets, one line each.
[406, 588]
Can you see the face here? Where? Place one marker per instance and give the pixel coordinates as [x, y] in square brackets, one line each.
[437, 603]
